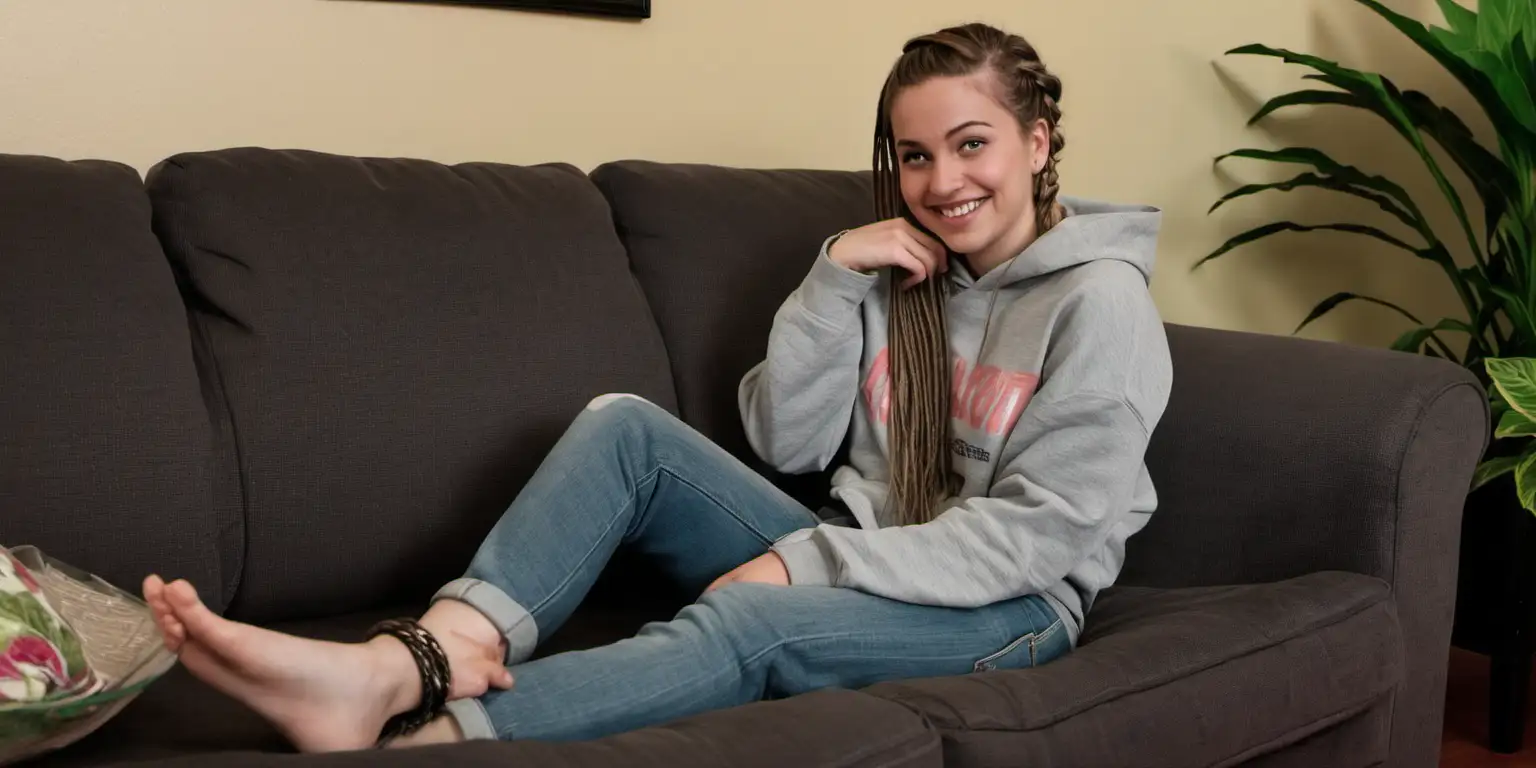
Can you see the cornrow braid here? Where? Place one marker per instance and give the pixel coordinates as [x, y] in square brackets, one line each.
[1045, 88]
[920, 373]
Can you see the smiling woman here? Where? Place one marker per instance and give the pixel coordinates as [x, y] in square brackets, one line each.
[629, 8]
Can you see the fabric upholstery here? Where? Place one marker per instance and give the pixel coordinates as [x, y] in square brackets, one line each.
[717, 250]
[1357, 742]
[835, 728]
[1197, 676]
[396, 344]
[1281, 456]
[104, 441]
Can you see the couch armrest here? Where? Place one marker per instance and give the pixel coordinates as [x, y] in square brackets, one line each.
[1280, 456]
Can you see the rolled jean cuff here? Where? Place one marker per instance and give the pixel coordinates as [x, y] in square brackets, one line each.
[473, 721]
[510, 619]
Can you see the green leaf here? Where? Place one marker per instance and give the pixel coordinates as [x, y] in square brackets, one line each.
[1315, 181]
[1519, 84]
[1525, 481]
[30, 611]
[1260, 232]
[1489, 175]
[1506, 68]
[1515, 378]
[1384, 99]
[1492, 469]
[1495, 24]
[1329, 304]
[1497, 405]
[1475, 81]
[1518, 311]
[1305, 98]
[1462, 21]
[1413, 339]
[1483, 319]
[1340, 177]
[1514, 424]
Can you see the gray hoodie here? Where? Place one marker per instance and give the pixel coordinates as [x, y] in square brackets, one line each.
[1061, 372]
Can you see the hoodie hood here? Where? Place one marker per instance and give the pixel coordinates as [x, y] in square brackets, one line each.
[1092, 231]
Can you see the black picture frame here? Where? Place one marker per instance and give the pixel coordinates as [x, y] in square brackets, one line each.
[632, 9]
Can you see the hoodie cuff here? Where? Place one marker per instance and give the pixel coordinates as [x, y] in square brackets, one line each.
[805, 556]
[831, 291]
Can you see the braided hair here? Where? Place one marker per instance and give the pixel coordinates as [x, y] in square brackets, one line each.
[920, 373]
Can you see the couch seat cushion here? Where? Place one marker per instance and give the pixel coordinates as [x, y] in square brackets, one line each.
[1199, 676]
[181, 722]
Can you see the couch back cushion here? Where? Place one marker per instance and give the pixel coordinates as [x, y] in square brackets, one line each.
[104, 443]
[397, 344]
[717, 250]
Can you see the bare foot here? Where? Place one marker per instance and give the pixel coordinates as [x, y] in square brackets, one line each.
[322, 696]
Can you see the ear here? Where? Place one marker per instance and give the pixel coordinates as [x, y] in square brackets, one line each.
[1039, 145]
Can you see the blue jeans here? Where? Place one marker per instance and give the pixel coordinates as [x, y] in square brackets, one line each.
[627, 473]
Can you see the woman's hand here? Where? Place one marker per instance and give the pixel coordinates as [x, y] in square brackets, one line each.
[891, 243]
[767, 568]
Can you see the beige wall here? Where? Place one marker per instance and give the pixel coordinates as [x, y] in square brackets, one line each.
[745, 83]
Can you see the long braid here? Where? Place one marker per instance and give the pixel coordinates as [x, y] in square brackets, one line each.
[919, 359]
[920, 373]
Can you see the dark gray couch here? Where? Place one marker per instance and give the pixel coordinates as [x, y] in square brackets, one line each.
[310, 383]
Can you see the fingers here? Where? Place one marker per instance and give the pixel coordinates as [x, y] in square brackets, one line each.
[498, 676]
[911, 262]
[930, 244]
[926, 251]
[480, 675]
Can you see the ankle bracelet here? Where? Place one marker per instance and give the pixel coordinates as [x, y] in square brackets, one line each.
[431, 664]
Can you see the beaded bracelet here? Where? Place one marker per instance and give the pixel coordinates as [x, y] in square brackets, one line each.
[431, 663]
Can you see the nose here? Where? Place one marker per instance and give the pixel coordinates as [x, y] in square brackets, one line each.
[945, 179]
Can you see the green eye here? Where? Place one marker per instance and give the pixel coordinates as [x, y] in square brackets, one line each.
[974, 144]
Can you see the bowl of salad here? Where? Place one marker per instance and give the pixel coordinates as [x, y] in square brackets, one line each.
[74, 650]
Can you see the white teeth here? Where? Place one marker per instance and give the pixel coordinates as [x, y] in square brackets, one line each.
[950, 213]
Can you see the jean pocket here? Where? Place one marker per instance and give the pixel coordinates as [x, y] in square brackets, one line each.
[1028, 651]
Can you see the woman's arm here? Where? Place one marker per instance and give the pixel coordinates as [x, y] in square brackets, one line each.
[797, 403]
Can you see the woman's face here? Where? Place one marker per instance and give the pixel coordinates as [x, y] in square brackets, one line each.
[967, 168]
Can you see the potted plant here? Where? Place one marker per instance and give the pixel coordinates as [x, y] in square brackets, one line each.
[1490, 263]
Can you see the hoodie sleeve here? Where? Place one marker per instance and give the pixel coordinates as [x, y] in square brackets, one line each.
[797, 403]
[1069, 471]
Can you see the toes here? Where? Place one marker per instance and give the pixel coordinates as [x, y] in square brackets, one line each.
[188, 609]
[175, 634]
[172, 630]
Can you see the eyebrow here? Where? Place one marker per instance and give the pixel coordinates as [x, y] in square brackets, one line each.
[952, 131]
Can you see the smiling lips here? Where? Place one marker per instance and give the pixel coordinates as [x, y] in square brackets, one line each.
[961, 210]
